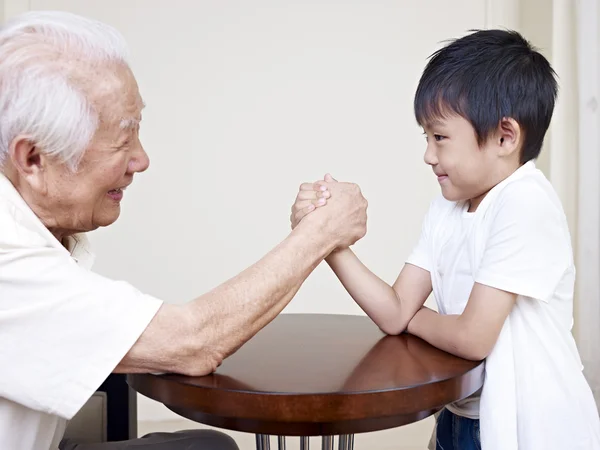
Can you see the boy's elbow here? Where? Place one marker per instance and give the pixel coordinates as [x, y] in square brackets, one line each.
[473, 347]
[475, 354]
[392, 331]
[393, 328]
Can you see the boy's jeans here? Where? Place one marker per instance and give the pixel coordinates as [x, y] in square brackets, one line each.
[456, 432]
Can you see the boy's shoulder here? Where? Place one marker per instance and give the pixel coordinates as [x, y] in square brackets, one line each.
[530, 194]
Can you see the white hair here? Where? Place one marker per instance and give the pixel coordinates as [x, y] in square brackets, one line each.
[39, 54]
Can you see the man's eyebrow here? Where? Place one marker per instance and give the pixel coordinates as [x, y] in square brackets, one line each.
[128, 123]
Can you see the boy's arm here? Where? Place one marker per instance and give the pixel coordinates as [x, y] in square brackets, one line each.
[471, 335]
[527, 253]
[390, 307]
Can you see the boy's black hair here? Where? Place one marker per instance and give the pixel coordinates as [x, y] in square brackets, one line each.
[486, 76]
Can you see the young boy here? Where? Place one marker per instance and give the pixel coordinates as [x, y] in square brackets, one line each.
[495, 250]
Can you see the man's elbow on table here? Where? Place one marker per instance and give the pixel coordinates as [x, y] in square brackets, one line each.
[175, 341]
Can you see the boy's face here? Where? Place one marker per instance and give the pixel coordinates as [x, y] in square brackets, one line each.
[465, 171]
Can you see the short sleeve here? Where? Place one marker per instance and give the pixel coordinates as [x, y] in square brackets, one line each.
[63, 329]
[528, 249]
[421, 254]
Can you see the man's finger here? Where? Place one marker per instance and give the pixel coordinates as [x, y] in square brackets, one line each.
[329, 178]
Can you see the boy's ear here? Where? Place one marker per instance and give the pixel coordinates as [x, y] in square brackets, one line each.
[509, 136]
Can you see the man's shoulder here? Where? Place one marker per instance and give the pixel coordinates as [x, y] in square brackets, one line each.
[17, 230]
[19, 226]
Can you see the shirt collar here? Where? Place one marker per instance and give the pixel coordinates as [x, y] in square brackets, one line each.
[77, 246]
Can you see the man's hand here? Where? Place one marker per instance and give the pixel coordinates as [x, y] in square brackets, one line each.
[345, 217]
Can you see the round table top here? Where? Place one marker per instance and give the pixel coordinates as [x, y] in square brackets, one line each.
[316, 375]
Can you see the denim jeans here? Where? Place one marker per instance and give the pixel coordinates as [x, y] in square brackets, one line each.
[456, 432]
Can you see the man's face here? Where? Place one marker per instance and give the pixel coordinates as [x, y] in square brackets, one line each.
[91, 196]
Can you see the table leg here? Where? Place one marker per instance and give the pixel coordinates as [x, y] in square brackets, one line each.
[281, 442]
[343, 442]
[350, 442]
[263, 442]
[304, 443]
[327, 442]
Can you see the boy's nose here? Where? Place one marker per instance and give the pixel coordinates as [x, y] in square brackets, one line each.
[430, 156]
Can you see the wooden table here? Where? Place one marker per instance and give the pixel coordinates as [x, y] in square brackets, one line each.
[319, 375]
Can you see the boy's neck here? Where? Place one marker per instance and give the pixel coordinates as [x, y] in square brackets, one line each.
[476, 201]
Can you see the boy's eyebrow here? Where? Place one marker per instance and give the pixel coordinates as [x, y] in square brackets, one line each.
[433, 123]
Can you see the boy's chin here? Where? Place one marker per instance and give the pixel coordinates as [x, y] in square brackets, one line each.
[451, 195]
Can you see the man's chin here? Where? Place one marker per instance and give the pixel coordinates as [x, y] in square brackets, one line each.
[107, 218]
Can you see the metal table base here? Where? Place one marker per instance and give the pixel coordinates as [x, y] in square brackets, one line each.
[345, 442]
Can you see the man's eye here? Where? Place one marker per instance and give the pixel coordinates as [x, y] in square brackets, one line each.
[438, 137]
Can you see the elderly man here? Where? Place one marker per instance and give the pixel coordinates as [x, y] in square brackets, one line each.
[70, 113]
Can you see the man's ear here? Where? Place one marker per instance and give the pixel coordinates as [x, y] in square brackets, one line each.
[509, 136]
[28, 160]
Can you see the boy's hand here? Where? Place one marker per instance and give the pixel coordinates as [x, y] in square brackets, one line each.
[310, 196]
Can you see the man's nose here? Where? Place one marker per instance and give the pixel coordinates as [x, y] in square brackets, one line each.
[140, 161]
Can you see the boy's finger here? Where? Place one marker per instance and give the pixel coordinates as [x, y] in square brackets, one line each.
[311, 195]
[303, 212]
[318, 186]
[303, 204]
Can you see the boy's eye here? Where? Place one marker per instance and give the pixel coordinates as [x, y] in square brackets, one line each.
[437, 137]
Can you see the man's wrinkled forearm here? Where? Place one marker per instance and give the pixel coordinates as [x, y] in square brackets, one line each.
[233, 312]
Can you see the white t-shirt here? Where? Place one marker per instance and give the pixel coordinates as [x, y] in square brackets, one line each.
[457, 280]
[518, 241]
[63, 329]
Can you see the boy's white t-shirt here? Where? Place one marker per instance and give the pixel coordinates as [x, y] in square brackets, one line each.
[457, 280]
[63, 329]
[525, 248]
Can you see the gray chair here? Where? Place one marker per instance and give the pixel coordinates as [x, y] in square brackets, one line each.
[109, 415]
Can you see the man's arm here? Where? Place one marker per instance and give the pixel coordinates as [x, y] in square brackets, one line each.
[473, 334]
[194, 338]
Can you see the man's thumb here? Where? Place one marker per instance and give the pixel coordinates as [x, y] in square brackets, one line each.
[329, 178]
